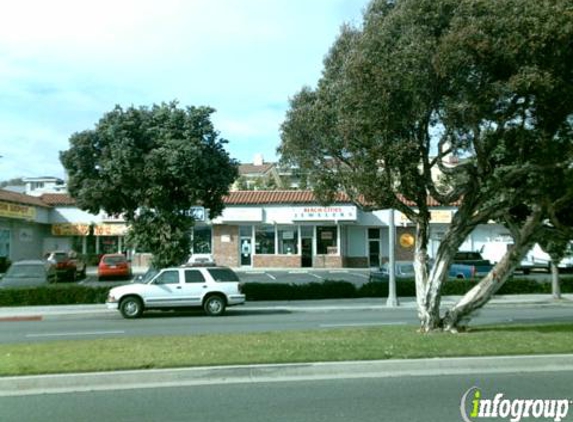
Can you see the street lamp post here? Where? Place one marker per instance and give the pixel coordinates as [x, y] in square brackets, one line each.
[392, 298]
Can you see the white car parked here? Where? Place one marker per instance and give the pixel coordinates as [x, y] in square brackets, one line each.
[212, 288]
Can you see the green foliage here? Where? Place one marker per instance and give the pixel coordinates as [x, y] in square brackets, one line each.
[56, 294]
[151, 165]
[66, 294]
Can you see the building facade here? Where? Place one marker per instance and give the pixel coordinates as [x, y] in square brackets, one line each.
[257, 229]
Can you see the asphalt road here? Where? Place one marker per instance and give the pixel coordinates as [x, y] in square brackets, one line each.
[404, 398]
[249, 319]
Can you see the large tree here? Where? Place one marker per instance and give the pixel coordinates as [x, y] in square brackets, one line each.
[151, 165]
[422, 81]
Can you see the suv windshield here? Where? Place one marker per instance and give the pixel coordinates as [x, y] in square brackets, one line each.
[149, 274]
[223, 274]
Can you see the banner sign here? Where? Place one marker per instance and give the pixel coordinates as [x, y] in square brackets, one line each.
[10, 210]
[70, 229]
[336, 213]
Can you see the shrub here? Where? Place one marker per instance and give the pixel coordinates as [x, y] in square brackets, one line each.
[57, 294]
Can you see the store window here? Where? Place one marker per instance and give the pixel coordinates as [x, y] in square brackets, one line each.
[202, 239]
[4, 243]
[326, 242]
[108, 244]
[265, 240]
[288, 240]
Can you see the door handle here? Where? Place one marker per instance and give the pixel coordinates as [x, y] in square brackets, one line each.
[178, 287]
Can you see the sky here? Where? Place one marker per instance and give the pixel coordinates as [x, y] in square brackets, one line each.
[64, 64]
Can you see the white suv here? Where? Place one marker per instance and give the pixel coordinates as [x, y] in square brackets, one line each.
[212, 288]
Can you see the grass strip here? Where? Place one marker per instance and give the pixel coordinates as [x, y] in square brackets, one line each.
[395, 342]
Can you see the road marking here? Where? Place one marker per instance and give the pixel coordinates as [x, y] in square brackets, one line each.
[338, 272]
[271, 276]
[361, 324]
[85, 333]
[317, 276]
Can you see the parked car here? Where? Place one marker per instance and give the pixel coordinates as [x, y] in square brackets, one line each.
[210, 288]
[469, 264]
[113, 266]
[403, 270]
[68, 266]
[29, 273]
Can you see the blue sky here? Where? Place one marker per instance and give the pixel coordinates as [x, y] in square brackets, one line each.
[63, 64]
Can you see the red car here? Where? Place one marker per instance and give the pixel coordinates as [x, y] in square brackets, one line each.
[113, 266]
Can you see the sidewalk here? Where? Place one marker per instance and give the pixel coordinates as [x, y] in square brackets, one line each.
[41, 312]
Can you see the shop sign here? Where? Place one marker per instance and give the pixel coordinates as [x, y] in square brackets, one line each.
[110, 230]
[436, 217]
[239, 215]
[336, 213]
[10, 210]
[70, 229]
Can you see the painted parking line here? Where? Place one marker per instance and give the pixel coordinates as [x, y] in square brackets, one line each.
[361, 324]
[83, 333]
[316, 276]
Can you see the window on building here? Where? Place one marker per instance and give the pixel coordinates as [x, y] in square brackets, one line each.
[326, 242]
[265, 240]
[288, 240]
[373, 233]
[4, 243]
[202, 239]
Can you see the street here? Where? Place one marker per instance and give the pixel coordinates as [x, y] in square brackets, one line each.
[254, 317]
[436, 397]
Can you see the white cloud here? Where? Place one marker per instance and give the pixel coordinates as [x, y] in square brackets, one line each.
[64, 63]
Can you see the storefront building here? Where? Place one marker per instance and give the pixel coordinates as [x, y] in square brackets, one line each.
[257, 229]
[24, 223]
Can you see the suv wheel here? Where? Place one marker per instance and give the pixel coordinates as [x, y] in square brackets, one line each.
[214, 305]
[131, 307]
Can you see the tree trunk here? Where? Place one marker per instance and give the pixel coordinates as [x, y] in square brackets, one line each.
[555, 287]
[431, 300]
[421, 266]
[477, 297]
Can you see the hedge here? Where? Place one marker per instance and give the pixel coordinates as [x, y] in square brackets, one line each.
[66, 294]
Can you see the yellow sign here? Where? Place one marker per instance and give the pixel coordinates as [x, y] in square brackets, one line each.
[110, 230]
[70, 229]
[407, 240]
[436, 216]
[10, 210]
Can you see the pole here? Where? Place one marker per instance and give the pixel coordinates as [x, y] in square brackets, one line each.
[392, 301]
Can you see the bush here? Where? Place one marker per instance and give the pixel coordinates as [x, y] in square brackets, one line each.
[56, 294]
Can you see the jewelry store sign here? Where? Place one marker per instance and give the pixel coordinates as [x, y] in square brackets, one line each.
[10, 210]
[335, 213]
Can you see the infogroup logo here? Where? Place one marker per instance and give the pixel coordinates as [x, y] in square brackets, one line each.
[474, 407]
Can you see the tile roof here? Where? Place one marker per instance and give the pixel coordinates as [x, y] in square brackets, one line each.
[275, 197]
[260, 197]
[20, 198]
[58, 199]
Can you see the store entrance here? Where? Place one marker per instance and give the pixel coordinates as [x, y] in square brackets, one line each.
[246, 252]
[306, 256]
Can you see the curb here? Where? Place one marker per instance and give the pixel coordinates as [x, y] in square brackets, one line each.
[156, 378]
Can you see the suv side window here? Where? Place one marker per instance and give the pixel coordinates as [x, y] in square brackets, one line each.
[168, 277]
[194, 276]
[223, 274]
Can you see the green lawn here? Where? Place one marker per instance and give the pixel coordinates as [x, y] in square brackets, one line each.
[401, 342]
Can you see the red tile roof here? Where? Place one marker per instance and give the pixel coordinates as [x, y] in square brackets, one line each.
[275, 197]
[260, 197]
[20, 198]
[58, 199]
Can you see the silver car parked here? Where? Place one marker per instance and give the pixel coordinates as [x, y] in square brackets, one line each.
[28, 273]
